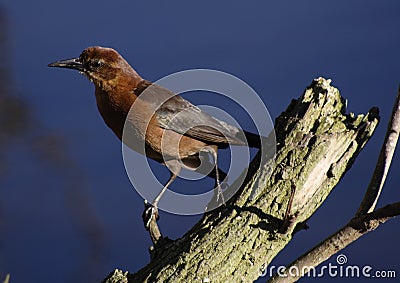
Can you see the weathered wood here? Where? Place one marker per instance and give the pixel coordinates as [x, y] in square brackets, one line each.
[349, 233]
[317, 144]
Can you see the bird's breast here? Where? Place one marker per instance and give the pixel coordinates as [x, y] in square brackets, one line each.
[133, 120]
[112, 110]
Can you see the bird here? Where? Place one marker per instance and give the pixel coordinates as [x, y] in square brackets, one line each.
[173, 131]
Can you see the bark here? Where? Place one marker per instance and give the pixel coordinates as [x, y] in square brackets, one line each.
[317, 143]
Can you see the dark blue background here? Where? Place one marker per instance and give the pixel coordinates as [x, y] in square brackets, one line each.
[68, 210]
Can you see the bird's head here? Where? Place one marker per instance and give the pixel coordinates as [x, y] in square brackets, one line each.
[105, 67]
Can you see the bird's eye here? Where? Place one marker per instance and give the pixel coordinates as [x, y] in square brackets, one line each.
[95, 64]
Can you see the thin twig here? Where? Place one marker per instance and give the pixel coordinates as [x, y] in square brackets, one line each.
[289, 220]
[353, 230]
[383, 164]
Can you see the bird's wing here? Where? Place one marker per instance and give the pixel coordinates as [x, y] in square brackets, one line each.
[179, 115]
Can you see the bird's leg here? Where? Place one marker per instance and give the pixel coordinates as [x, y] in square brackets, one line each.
[222, 174]
[205, 167]
[151, 209]
[218, 189]
[218, 185]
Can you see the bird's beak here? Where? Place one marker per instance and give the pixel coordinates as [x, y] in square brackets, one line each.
[69, 64]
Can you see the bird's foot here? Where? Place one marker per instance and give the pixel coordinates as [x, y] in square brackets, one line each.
[150, 213]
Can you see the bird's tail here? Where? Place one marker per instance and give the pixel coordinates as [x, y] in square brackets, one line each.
[254, 140]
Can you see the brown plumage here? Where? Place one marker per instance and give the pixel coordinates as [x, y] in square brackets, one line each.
[159, 115]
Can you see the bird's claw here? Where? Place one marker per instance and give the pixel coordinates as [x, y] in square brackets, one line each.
[150, 212]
